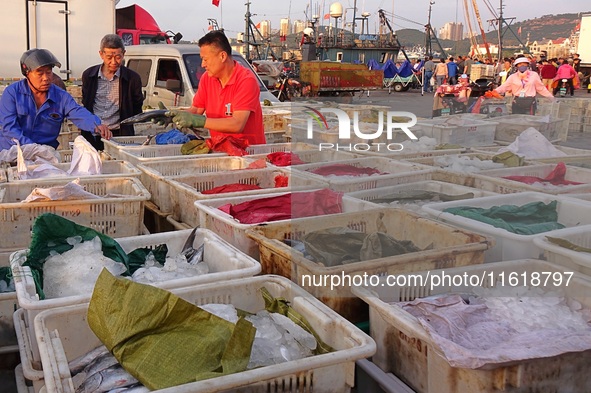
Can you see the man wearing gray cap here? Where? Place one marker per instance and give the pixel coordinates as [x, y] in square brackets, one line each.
[33, 109]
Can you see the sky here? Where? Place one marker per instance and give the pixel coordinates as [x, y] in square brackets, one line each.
[190, 16]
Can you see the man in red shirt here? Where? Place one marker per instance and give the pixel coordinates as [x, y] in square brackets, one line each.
[228, 94]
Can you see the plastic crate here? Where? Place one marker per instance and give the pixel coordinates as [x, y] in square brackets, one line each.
[64, 139]
[298, 132]
[3, 176]
[332, 372]
[449, 247]
[407, 350]
[432, 161]
[391, 168]
[116, 216]
[569, 151]
[21, 384]
[275, 119]
[225, 262]
[118, 142]
[382, 151]
[185, 190]
[428, 185]
[110, 169]
[275, 147]
[8, 304]
[154, 173]
[30, 368]
[311, 156]
[571, 213]
[572, 260]
[496, 182]
[471, 133]
[511, 126]
[231, 230]
[66, 155]
[144, 154]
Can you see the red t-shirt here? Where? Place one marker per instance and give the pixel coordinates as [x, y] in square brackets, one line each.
[241, 93]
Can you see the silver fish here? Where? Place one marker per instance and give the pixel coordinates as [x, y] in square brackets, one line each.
[192, 255]
[148, 140]
[107, 379]
[197, 256]
[81, 362]
[99, 364]
[141, 118]
[139, 388]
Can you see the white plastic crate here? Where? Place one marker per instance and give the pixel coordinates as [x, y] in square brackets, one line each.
[435, 161]
[30, 368]
[407, 350]
[496, 182]
[21, 384]
[571, 213]
[449, 247]
[390, 168]
[310, 156]
[64, 139]
[274, 136]
[511, 126]
[276, 147]
[569, 151]
[381, 150]
[3, 177]
[428, 185]
[153, 174]
[224, 261]
[332, 372]
[8, 304]
[110, 169]
[470, 133]
[275, 119]
[234, 232]
[144, 154]
[118, 142]
[66, 155]
[298, 132]
[116, 216]
[578, 161]
[570, 259]
[185, 190]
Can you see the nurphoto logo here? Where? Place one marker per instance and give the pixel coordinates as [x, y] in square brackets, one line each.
[391, 123]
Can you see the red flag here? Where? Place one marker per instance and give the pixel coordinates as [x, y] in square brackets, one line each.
[258, 25]
[519, 30]
[215, 2]
[326, 16]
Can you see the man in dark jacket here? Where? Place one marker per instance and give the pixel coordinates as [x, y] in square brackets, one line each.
[110, 90]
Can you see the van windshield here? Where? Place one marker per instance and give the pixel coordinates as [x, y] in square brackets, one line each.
[195, 71]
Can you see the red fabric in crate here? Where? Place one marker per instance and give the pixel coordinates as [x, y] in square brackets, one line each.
[284, 158]
[286, 207]
[556, 177]
[234, 187]
[228, 144]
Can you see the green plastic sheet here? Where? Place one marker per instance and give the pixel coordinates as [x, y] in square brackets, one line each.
[509, 159]
[529, 219]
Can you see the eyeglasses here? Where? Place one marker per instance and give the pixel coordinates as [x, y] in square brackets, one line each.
[110, 57]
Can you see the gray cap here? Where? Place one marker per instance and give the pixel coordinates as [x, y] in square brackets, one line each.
[35, 58]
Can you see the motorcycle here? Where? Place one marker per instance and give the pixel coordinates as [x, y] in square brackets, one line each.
[287, 87]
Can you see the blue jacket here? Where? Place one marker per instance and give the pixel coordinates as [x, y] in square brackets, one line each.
[20, 118]
[452, 69]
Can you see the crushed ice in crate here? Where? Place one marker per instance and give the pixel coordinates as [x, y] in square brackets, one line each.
[528, 309]
[468, 164]
[278, 339]
[173, 268]
[75, 271]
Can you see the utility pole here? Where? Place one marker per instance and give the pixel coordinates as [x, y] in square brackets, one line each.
[501, 22]
[247, 29]
[430, 36]
[500, 35]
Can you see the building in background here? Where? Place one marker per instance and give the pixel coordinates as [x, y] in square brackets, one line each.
[265, 28]
[284, 27]
[559, 47]
[452, 31]
[298, 26]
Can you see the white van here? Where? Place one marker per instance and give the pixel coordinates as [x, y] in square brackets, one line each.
[171, 73]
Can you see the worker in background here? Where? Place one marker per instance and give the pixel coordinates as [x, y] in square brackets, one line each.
[110, 90]
[441, 72]
[523, 85]
[547, 73]
[33, 109]
[452, 71]
[228, 94]
[505, 70]
[577, 62]
[566, 71]
[429, 68]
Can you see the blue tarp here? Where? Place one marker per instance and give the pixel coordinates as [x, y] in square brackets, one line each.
[405, 69]
[373, 65]
[389, 69]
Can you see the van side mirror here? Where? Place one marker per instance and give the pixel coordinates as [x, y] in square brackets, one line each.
[173, 85]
